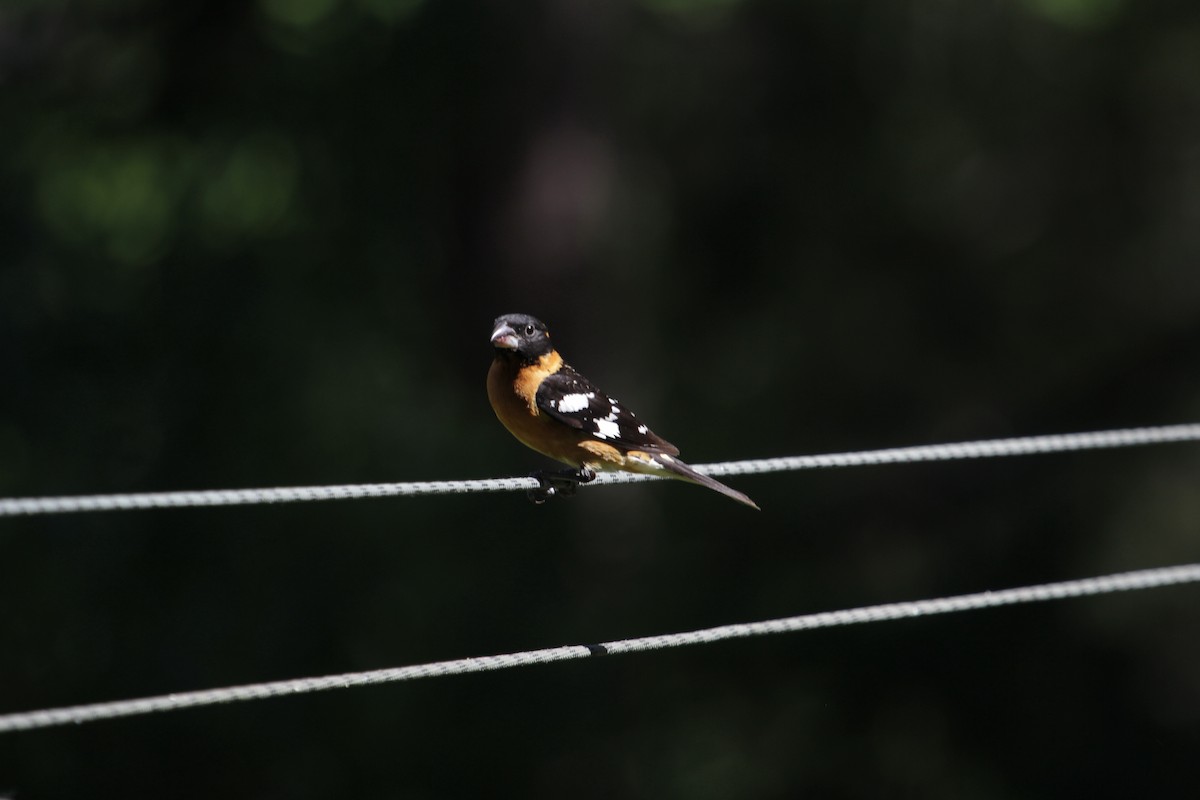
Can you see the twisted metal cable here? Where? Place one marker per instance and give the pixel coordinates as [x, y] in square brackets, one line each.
[1025, 445]
[1126, 581]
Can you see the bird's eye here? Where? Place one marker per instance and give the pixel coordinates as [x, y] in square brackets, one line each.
[529, 330]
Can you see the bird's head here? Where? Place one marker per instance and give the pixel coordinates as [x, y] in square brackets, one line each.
[522, 335]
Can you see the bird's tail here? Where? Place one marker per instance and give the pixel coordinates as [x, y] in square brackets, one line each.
[684, 472]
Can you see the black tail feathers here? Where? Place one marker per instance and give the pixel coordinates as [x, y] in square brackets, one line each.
[685, 472]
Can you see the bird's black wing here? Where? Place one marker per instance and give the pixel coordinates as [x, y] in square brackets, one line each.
[573, 400]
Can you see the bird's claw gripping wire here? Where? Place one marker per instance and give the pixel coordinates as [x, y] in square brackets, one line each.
[555, 484]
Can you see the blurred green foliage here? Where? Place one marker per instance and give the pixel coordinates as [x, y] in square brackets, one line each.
[1081, 13]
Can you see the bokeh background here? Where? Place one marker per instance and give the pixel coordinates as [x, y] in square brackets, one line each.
[260, 244]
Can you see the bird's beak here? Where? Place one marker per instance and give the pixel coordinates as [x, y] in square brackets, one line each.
[504, 337]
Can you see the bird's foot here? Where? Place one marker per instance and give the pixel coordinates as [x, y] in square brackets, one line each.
[554, 484]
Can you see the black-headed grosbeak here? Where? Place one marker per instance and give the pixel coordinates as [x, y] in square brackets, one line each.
[554, 410]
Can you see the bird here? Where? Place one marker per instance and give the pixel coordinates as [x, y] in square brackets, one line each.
[553, 409]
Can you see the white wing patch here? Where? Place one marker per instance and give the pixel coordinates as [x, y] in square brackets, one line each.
[574, 401]
[571, 403]
[607, 429]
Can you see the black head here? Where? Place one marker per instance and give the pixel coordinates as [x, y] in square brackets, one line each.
[521, 334]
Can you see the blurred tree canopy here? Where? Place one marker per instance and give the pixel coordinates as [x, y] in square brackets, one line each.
[254, 244]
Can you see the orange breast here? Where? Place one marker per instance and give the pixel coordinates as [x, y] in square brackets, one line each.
[513, 394]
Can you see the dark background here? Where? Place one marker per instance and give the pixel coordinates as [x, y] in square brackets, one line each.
[261, 244]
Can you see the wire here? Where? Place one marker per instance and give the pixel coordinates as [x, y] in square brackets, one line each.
[1126, 581]
[1026, 445]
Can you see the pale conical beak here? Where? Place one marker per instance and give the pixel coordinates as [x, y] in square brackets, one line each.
[504, 337]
